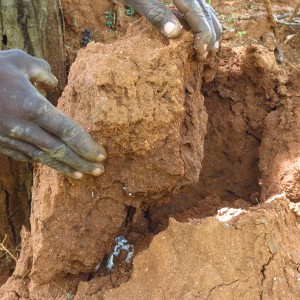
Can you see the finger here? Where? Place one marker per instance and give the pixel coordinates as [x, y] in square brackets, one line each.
[73, 134]
[208, 14]
[158, 14]
[15, 154]
[38, 155]
[196, 18]
[60, 167]
[37, 70]
[55, 149]
[216, 24]
[38, 110]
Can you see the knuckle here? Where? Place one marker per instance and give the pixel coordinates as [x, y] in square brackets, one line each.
[39, 155]
[40, 71]
[58, 152]
[19, 53]
[155, 15]
[20, 58]
[43, 63]
[72, 133]
[33, 106]
[42, 66]
[206, 11]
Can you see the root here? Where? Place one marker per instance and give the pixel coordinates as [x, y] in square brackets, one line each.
[291, 17]
[295, 12]
[5, 249]
[271, 17]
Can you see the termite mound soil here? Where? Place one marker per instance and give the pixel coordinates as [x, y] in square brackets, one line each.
[149, 114]
[164, 118]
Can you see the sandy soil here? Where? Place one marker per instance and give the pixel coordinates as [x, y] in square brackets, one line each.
[186, 141]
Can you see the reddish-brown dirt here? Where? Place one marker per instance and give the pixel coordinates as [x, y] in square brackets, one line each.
[234, 255]
[164, 118]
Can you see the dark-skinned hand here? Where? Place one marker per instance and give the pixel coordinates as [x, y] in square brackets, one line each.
[32, 129]
[200, 16]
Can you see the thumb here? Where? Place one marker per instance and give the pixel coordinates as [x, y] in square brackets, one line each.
[158, 14]
[39, 71]
[36, 69]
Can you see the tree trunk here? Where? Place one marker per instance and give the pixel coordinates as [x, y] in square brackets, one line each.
[37, 28]
[15, 186]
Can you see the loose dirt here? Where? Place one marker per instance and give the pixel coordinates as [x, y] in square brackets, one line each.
[202, 173]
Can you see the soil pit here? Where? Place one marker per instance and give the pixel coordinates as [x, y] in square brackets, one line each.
[141, 97]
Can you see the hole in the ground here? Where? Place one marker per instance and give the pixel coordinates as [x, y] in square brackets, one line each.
[130, 213]
[230, 168]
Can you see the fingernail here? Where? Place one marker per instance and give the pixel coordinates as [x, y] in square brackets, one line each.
[169, 28]
[97, 172]
[205, 47]
[77, 175]
[101, 157]
[53, 81]
[217, 45]
[205, 54]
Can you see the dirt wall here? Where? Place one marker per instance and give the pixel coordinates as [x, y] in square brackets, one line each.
[145, 109]
[235, 255]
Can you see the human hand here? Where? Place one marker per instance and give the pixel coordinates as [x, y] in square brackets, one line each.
[200, 16]
[32, 129]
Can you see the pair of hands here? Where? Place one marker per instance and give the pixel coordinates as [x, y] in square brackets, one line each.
[33, 130]
[200, 16]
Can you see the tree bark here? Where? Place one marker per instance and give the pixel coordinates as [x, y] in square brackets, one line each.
[15, 194]
[37, 28]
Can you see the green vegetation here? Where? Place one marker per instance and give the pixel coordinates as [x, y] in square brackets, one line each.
[129, 11]
[110, 17]
[241, 34]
